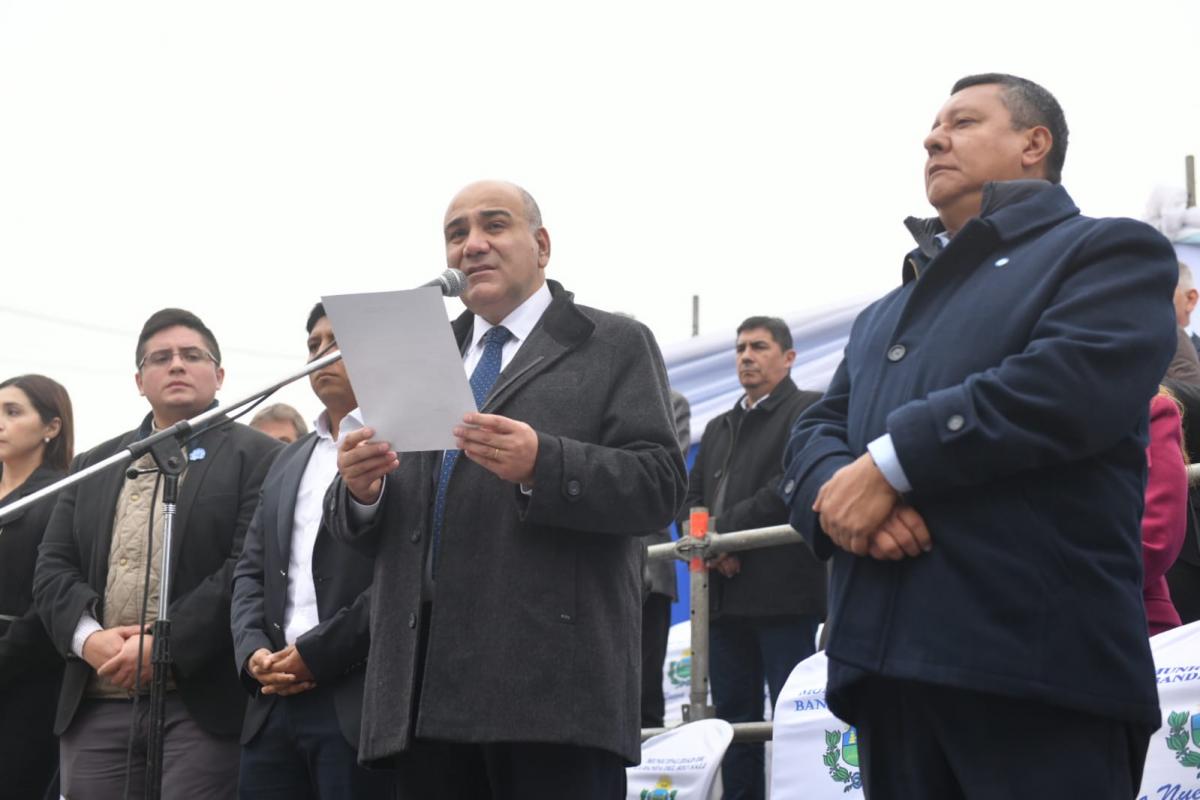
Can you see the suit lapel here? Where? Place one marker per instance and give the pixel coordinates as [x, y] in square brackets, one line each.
[211, 441]
[290, 486]
[560, 330]
[535, 356]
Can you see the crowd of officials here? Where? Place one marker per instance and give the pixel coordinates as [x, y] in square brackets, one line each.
[993, 490]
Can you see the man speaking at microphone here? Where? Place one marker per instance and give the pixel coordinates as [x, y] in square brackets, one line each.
[505, 642]
[977, 471]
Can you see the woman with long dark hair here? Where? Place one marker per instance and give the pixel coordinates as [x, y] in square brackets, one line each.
[36, 444]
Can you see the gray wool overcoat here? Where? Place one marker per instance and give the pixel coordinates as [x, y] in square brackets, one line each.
[534, 632]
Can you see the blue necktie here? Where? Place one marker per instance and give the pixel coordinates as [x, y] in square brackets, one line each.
[482, 381]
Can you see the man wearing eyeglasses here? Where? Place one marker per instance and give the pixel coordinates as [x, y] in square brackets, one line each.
[97, 583]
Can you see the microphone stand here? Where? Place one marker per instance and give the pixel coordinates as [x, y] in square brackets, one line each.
[166, 448]
[179, 432]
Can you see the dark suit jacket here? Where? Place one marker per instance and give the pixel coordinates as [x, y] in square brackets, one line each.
[30, 668]
[335, 651]
[535, 629]
[25, 649]
[744, 452]
[216, 501]
[1013, 371]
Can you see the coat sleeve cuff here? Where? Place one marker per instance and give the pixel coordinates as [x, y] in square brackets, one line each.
[921, 429]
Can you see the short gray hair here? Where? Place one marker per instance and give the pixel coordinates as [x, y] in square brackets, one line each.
[533, 214]
[281, 412]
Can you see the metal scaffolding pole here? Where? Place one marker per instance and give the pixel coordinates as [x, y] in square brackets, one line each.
[698, 706]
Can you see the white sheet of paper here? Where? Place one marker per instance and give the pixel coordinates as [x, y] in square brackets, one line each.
[405, 367]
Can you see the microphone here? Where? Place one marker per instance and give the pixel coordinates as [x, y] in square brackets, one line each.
[451, 282]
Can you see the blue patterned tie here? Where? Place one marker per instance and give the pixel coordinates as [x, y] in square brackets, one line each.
[482, 381]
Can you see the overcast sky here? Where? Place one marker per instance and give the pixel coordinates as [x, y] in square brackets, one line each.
[240, 159]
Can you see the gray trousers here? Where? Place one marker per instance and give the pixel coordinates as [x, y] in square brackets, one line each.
[196, 764]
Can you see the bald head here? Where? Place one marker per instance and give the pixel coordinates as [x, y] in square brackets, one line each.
[533, 214]
[494, 234]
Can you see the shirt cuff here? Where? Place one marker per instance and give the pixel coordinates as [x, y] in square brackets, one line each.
[86, 626]
[362, 513]
[884, 453]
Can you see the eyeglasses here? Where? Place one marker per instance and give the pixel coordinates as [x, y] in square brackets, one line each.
[188, 355]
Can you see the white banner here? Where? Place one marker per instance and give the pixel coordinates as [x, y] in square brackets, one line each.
[681, 764]
[816, 754]
[1173, 763]
[677, 672]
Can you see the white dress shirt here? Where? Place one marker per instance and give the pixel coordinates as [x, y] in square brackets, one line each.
[520, 324]
[300, 610]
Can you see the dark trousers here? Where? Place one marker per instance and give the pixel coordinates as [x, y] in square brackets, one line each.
[92, 752]
[920, 740]
[656, 626]
[300, 753]
[745, 653]
[508, 771]
[1183, 579]
[28, 746]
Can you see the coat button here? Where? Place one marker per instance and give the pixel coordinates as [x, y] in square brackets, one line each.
[896, 352]
[717, 474]
[416, 535]
[955, 422]
[275, 625]
[283, 573]
[789, 487]
[573, 488]
[412, 620]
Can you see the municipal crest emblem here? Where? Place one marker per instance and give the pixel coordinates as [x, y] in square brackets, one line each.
[841, 751]
[1184, 730]
[679, 673]
[662, 790]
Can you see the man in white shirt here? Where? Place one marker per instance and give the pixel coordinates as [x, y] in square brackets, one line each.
[300, 610]
[506, 635]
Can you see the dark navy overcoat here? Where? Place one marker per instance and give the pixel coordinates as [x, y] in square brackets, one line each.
[1014, 371]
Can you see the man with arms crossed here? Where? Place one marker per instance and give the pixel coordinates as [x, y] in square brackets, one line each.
[976, 470]
[89, 582]
[300, 614]
[505, 624]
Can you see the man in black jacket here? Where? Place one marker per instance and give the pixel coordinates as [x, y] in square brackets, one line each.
[301, 608]
[92, 569]
[766, 604]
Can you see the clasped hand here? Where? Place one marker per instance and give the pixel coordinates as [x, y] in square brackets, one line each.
[864, 515]
[113, 653]
[282, 672]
